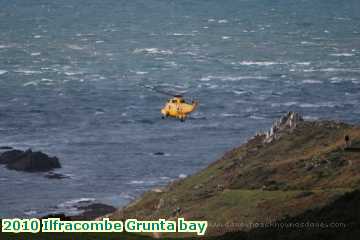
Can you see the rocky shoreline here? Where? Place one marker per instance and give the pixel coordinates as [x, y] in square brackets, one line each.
[88, 212]
[30, 161]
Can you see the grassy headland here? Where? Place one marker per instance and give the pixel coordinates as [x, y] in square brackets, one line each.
[300, 171]
[304, 166]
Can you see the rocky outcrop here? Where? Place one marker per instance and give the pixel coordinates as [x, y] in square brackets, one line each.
[28, 161]
[10, 156]
[287, 122]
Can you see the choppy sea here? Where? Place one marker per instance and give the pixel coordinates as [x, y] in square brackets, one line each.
[80, 80]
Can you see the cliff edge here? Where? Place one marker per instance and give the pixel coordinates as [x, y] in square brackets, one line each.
[295, 167]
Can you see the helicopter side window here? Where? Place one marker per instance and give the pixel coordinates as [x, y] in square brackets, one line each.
[182, 101]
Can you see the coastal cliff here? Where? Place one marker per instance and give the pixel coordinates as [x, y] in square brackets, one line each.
[299, 172]
[297, 166]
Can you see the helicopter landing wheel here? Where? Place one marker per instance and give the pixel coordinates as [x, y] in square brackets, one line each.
[162, 117]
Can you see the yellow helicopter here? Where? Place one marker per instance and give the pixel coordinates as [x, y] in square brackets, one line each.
[177, 107]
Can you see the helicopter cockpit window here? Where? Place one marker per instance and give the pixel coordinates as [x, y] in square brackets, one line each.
[174, 101]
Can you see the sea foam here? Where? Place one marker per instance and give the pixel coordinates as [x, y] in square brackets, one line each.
[27, 72]
[31, 83]
[74, 47]
[258, 63]
[342, 54]
[310, 81]
[232, 78]
[153, 51]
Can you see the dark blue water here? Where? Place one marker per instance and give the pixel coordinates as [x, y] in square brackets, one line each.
[72, 77]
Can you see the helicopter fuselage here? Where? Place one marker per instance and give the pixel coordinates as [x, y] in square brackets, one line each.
[177, 107]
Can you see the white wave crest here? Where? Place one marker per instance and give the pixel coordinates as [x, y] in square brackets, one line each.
[32, 83]
[303, 63]
[232, 78]
[287, 104]
[223, 21]
[229, 115]
[141, 73]
[318, 105]
[342, 54]
[73, 202]
[73, 73]
[237, 92]
[308, 43]
[35, 54]
[256, 117]
[351, 70]
[47, 80]
[258, 63]
[71, 207]
[30, 213]
[74, 47]
[181, 34]
[153, 51]
[11, 45]
[136, 182]
[27, 72]
[310, 81]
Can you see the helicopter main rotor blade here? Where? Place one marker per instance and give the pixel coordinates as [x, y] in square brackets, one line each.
[158, 90]
[161, 91]
[155, 89]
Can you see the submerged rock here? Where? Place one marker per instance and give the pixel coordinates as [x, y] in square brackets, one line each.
[5, 148]
[93, 211]
[159, 153]
[28, 161]
[52, 175]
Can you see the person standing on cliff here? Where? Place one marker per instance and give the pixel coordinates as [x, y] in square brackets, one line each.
[347, 142]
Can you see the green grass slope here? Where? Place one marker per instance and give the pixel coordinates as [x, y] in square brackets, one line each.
[340, 219]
